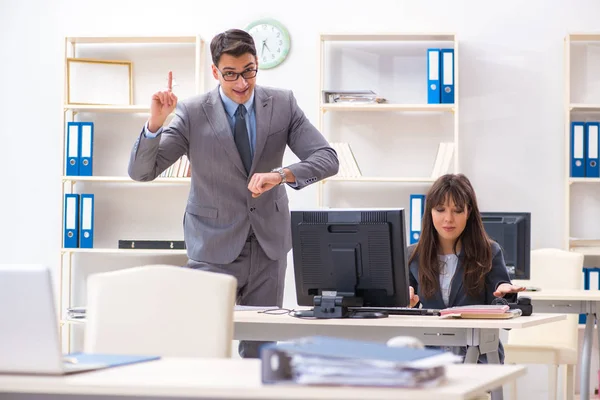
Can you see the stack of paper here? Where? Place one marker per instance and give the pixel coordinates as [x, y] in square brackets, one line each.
[315, 370]
[351, 96]
[333, 361]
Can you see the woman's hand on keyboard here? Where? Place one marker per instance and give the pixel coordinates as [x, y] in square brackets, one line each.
[414, 298]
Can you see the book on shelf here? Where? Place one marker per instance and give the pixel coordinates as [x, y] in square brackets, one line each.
[152, 244]
[76, 313]
[179, 169]
[351, 96]
[348, 165]
[443, 159]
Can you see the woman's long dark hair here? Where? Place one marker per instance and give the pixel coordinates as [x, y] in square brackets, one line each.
[476, 247]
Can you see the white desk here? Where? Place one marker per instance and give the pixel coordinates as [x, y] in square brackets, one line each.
[481, 336]
[240, 379]
[573, 302]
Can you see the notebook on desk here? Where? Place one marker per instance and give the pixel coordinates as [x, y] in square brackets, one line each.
[480, 312]
[30, 343]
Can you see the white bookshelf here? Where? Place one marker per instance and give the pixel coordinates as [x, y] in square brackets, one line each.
[129, 252]
[388, 36]
[583, 180]
[126, 180]
[381, 179]
[115, 130]
[108, 108]
[388, 107]
[582, 103]
[379, 111]
[575, 107]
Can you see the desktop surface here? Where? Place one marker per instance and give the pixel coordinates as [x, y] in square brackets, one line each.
[212, 378]
[430, 330]
[250, 317]
[564, 294]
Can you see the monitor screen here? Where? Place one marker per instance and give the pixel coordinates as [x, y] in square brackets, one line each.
[355, 257]
[512, 231]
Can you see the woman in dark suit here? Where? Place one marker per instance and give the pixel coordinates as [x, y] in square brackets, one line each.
[455, 263]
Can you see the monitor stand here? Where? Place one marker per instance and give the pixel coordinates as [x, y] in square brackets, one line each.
[333, 307]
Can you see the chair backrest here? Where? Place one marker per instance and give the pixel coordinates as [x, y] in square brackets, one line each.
[552, 269]
[160, 310]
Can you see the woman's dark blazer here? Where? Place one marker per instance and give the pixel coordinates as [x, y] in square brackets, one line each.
[458, 294]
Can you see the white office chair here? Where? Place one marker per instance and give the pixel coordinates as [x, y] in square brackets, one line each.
[554, 344]
[160, 310]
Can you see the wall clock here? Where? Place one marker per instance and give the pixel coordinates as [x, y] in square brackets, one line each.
[272, 42]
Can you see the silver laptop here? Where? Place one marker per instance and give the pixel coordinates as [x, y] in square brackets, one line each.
[29, 333]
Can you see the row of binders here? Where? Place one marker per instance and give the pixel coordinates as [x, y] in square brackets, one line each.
[79, 221]
[79, 148]
[584, 149]
[440, 76]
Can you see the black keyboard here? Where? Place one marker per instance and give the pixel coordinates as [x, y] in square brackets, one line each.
[399, 310]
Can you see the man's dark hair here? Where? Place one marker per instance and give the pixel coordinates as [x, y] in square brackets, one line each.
[234, 42]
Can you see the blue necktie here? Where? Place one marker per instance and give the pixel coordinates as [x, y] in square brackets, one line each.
[240, 136]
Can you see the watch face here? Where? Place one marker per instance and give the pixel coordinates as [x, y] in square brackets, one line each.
[272, 42]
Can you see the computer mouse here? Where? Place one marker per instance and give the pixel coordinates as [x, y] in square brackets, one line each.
[405, 341]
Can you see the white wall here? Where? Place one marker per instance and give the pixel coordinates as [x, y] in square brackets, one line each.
[511, 93]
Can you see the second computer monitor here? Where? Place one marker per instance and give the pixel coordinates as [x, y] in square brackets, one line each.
[512, 231]
[355, 254]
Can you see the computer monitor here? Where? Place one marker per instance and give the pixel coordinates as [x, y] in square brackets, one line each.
[512, 231]
[350, 258]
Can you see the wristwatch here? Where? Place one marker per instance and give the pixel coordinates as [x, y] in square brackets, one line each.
[281, 172]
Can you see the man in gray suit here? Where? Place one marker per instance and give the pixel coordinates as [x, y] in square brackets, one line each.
[237, 218]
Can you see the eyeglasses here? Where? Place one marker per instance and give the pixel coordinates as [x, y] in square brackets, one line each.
[233, 76]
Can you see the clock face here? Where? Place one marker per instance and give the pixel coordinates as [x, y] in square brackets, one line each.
[272, 42]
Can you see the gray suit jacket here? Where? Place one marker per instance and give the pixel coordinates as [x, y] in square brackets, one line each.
[220, 209]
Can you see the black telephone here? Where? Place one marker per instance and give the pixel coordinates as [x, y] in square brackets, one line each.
[523, 303]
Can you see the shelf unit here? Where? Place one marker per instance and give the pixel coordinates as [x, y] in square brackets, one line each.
[386, 107]
[408, 108]
[193, 49]
[578, 107]
[132, 252]
[125, 179]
